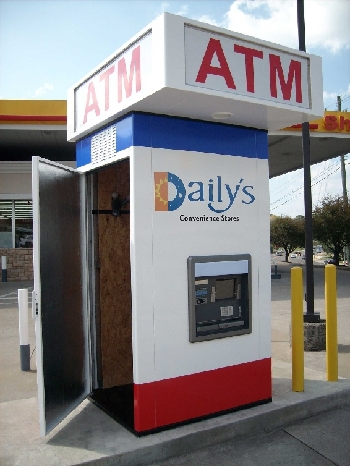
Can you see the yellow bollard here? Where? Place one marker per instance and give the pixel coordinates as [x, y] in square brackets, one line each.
[331, 322]
[297, 329]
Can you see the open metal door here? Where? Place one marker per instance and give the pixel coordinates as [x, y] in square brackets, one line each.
[60, 287]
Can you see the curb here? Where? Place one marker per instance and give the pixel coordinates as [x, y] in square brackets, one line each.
[225, 428]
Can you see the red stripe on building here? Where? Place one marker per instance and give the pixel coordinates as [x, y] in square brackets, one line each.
[311, 126]
[33, 118]
[170, 401]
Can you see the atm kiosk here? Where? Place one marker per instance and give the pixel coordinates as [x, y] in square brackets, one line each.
[152, 265]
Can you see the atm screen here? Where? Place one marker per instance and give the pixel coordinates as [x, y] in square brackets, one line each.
[225, 288]
[219, 296]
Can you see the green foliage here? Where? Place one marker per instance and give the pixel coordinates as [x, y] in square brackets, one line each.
[331, 224]
[287, 233]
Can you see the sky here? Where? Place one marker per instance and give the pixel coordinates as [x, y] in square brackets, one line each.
[46, 46]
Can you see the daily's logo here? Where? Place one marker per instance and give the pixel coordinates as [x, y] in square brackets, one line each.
[170, 192]
[161, 191]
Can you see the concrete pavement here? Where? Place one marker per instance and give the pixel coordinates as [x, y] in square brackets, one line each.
[307, 443]
[306, 428]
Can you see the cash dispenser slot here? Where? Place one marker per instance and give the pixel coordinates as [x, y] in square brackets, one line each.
[219, 296]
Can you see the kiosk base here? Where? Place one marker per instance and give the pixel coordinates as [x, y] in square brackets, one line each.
[162, 405]
[117, 403]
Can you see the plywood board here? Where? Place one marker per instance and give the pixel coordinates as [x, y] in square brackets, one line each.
[115, 281]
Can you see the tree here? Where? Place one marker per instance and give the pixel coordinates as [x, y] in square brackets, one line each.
[287, 232]
[331, 224]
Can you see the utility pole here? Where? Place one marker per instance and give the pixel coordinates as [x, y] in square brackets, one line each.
[343, 178]
[342, 162]
[310, 315]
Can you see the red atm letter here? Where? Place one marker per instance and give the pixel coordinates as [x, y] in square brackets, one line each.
[91, 94]
[214, 47]
[294, 72]
[249, 63]
[122, 75]
[105, 75]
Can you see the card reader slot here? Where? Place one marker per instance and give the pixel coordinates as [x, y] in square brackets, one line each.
[218, 326]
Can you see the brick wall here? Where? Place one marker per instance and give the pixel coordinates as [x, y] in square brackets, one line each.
[19, 264]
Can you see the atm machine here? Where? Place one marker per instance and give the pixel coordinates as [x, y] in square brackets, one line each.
[219, 296]
[152, 264]
[156, 315]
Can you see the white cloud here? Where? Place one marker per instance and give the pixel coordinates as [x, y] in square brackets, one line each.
[330, 98]
[43, 89]
[207, 19]
[287, 192]
[326, 180]
[183, 11]
[264, 19]
[164, 6]
[326, 22]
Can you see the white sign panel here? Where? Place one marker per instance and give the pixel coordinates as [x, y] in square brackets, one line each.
[193, 228]
[181, 67]
[117, 85]
[218, 62]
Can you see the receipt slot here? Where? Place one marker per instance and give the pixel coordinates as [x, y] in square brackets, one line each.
[219, 296]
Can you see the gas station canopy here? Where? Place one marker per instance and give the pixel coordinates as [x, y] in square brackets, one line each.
[329, 138]
[29, 128]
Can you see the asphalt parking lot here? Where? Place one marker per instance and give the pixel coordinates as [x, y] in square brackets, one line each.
[309, 428]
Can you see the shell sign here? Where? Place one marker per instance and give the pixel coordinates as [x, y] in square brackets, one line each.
[332, 122]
